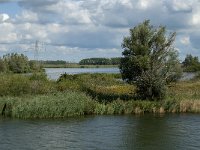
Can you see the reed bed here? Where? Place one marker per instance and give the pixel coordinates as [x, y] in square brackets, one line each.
[61, 105]
[57, 105]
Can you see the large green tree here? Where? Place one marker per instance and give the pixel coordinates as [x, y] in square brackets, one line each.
[149, 60]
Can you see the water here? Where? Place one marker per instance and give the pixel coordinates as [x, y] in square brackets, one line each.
[148, 132]
[54, 73]
[188, 76]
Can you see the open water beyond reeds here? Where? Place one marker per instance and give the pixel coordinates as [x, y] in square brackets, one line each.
[128, 132]
[54, 73]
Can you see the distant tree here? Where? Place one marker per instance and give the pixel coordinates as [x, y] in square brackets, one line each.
[95, 61]
[100, 61]
[115, 61]
[191, 64]
[54, 62]
[149, 60]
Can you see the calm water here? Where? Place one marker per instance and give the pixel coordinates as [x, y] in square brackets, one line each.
[148, 132]
[54, 73]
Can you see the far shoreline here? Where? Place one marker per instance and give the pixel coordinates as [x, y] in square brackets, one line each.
[78, 66]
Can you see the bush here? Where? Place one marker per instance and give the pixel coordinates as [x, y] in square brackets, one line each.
[18, 85]
[150, 87]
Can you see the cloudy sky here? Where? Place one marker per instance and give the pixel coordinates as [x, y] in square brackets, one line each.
[74, 29]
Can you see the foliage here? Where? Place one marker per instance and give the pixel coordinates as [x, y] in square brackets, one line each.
[36, 97]
[54, 62]
[17, 63]
[103, 87]
[3, 67]
[100, 61]
[57, 105]
[191, 64]
[149, 61]
[18, 85]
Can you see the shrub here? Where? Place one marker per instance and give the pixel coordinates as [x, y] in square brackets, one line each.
[17, 85]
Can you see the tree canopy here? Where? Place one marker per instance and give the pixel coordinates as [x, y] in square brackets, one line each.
[149, 60]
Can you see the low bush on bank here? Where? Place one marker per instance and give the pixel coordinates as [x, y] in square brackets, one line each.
[103, 87]
[17, 85]
[110, 93]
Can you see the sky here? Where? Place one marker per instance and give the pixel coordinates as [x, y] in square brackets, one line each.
[71, 30]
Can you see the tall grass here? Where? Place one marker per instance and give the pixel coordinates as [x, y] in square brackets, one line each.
[61, 105]
[57, 105]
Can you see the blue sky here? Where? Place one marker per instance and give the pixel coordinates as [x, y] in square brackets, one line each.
[74, 29]
[10, 8]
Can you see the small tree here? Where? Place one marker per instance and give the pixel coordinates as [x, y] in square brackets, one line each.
[149, 61]
[191, 64]
[17, 63]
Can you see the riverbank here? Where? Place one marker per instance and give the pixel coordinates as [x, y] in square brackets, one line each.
[62, 105]
[88, 94]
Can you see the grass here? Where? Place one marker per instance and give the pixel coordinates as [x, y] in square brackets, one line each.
[57, 105]
[61, 105]
[187, 90]
[87, 94]
[17, 84]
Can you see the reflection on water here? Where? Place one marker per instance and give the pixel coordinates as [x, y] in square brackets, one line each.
[146, 132]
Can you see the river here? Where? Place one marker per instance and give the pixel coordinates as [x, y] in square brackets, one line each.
[54, 73]
[128, 132]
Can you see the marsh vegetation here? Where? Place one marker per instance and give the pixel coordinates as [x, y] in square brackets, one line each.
[35, 96]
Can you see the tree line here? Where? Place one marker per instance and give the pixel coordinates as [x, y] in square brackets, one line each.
[100, 61]
[53, 62]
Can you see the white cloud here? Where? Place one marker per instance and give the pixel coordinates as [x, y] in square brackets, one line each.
[27, 16]
[7, 33]
[4, 17]
[185, 40]
[196, 19]
[180, 5]
[143, 4]
[96, 27]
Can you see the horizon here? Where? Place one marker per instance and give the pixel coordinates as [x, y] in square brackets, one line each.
[72, 30]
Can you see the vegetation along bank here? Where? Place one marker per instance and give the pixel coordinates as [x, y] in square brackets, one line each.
[88, 94]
